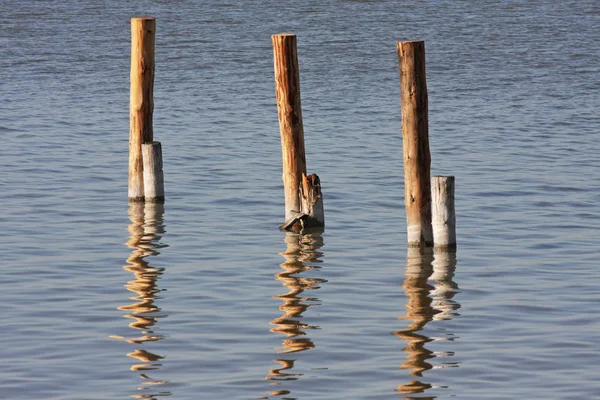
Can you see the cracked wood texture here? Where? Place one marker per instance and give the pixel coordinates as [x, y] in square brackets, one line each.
[154, 186]
[415, 143]
[312, 214]
[311, 200]
[141, 102]
[287, 88]
[442, 213]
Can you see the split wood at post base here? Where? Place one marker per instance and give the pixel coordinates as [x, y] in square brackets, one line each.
[442, 213]
[415, 143]
[141, 104]
[311, 202]
[303, 197]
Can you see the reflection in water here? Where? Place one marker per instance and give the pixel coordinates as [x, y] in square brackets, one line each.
[301, 255]
[145, 230]
[429, 289]
[445, 288]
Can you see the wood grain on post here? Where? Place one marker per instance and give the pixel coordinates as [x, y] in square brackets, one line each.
[442, 213]
[141, 102]
[154, 189]
[415, 143]
[287, 87]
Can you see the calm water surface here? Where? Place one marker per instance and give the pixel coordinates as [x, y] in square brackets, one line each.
[206, 298]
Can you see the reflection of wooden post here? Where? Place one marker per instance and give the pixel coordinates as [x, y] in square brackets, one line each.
[146, 230]
[141, 102]
[417, 288]
[415, 143]
[301, 252]
[154, 190]
[445, 288]
[442, 213]
[419, 312]
[303, 199]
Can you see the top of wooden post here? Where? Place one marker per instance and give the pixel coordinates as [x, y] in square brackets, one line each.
[143, 19]
[411, 41]
[283, 34]
[410, 46]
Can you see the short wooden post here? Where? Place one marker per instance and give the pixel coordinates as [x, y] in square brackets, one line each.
[415, 143]
[141, 102]
[303, 197]
[154, 190]
[442, 213]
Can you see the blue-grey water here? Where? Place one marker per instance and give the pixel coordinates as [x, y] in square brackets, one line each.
[205, 298]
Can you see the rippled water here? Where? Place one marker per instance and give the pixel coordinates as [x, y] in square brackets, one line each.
[206, 298]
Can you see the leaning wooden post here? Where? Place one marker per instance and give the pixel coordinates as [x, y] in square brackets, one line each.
[442, 212]
[415, 143]
[303, 198]
[141, 102]
[154, 190]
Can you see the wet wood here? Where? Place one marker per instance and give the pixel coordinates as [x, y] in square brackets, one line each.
[442, 213]
[154, 189]
[415, 143]
[303, 197]
[287, 88]
[141, 102]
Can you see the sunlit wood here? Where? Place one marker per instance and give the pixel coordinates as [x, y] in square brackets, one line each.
[303, 197]
[415, 143]
[141, 100]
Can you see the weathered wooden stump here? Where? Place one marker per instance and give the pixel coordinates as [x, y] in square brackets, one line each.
[154, 189]
[442, 212]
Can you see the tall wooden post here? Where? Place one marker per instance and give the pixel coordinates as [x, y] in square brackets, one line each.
[303, 198]
[415, 143]
[442, 213]
[141, 102]
[287, 86]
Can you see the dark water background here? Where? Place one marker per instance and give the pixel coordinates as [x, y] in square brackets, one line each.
[205, 298]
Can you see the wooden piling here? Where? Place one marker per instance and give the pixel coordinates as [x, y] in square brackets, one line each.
[442, 213]
[287, 87]
[141, 102]
[154, 190]
[415, 143]
[303, 197]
